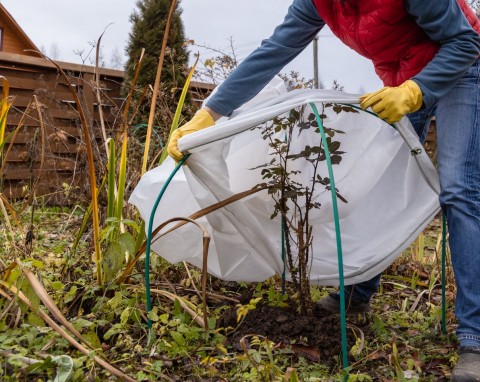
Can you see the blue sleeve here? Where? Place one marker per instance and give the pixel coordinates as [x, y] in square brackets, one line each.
[301, 25]
[444, 22]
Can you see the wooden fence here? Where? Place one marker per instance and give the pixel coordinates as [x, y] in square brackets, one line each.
[49, 145]
[49, 148]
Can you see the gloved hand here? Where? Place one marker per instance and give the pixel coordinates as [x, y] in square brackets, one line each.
[393, 103]
[201, 120]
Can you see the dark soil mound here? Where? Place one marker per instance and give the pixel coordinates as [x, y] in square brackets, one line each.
[316, 337]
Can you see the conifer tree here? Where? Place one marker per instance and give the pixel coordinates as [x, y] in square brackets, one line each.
[148, 28]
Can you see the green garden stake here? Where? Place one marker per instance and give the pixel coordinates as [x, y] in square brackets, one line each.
[444, 277]
[149, 238]
[343, 315]
[283, 257]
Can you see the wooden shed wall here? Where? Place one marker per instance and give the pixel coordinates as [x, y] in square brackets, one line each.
[14, 39]
[60, 164]
[11, 43]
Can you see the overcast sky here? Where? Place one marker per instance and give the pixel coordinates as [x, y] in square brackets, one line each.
[69, 28]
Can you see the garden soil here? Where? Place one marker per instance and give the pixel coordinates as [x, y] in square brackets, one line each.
[317, 337]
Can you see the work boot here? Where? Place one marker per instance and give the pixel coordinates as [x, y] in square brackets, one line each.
[468, 366]
[331, 303]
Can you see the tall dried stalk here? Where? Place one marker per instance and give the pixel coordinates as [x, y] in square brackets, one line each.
[5, 105]
[11, 137]
[98, 94]
[157, 86]
[178, 111]
[91, 172]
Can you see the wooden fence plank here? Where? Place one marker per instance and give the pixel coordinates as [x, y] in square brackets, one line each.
[53, 191]
[26, 135]
[58, 163]
[25, 174]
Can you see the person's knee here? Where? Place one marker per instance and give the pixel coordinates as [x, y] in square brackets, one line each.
[460, 196]
[457, 198]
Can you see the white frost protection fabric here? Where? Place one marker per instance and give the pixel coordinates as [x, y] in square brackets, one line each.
[392, 194]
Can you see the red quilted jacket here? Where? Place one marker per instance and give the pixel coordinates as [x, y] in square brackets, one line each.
[384, 32]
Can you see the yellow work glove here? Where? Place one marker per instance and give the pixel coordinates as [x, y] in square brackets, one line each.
[201, 120]
[393, 103]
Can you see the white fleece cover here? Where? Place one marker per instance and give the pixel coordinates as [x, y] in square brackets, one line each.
[392, 194]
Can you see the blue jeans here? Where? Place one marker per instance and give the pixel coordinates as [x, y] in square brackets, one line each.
[458, 154]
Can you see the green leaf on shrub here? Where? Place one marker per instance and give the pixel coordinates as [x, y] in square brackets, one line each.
[71, 294]
[115, 329]
[57, 285]
[35, 320]
[93, 339]
[113, 260]
[127, 242]
[178, 338]
[82, 323]
[152, 315]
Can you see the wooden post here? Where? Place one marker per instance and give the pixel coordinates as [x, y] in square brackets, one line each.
[315, 62]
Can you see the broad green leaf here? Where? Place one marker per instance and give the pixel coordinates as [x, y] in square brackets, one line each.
[80, 323]
[33, 263]
[29, 292]
[40, 366]
[116, 300]
[131, 223]
[64, 368]
[178, 338]
[153, 315]
[57, 285]
[113, 260]
[35, 320]
[125, 316]
[127, 243]
[93, 339]
[115, 329]
[164, 318]
[13, 276]
[291, 375]
[71, 294]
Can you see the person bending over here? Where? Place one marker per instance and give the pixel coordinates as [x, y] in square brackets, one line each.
[426, 53]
